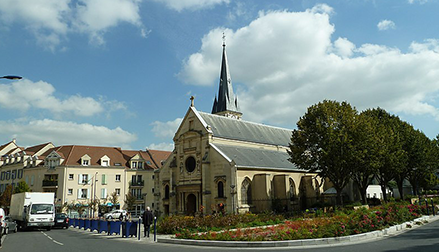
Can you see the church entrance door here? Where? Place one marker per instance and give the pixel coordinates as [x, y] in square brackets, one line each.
[191, 204]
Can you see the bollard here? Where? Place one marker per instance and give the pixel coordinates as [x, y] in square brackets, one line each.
[426, 204]
[139, 233]
[155, 228]
[432, 207]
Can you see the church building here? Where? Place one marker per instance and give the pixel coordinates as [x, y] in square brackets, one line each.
[221, 163]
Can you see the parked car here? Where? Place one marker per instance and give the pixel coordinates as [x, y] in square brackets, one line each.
[2, 221]
[11, 225]
[115, 214]
[61, 220]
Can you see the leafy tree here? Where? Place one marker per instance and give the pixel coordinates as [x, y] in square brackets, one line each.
[364, 153]
[130, 201]
[389, 155]
[323, 142]
[424, 163]
[5, 198]
[93, 204]
[22, 187]
[114, 198]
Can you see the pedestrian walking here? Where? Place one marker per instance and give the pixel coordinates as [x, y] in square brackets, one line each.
[148, 218]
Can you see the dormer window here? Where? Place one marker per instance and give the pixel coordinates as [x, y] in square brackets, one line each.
[140, 165]
[105, 161]
[134, 165]
[85, 160]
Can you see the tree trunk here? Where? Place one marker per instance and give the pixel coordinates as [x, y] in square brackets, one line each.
[383, 190]
[363, 191]
[339, 198]
[400, 189]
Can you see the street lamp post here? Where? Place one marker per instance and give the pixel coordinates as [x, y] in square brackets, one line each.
[94, 193]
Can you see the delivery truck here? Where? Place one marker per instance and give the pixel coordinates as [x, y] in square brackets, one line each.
[33, 209]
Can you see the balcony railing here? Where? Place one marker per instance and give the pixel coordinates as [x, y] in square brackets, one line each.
[137, 183]
[50, 182]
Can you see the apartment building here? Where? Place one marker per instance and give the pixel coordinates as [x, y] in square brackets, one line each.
[78, 174]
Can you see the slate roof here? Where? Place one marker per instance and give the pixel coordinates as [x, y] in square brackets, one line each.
[230, 128]
[256, 158]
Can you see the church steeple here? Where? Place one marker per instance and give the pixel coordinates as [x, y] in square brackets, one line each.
[225, 103]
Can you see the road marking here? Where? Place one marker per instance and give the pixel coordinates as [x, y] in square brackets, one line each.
[50, 238]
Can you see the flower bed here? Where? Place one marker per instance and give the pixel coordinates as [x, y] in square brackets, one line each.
[177, 224]
[340, 224]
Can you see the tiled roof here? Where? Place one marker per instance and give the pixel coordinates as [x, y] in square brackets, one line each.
[256, 158]
[159, 156]
[34, 149]
[154, 157]
[74, 153]
[230, 128]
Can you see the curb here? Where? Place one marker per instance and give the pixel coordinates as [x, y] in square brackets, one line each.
[393, 230]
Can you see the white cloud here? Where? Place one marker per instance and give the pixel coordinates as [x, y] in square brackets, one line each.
[51, 21]
[343, 47]
[96, 16]
[180, 5]
[286, 61]
[418, 1]
[166, 129]
[386, 25]
[25, 94]
[161, 146]
[428, 45]
[31, 132]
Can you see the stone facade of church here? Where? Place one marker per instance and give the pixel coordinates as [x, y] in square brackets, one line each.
[222, 163]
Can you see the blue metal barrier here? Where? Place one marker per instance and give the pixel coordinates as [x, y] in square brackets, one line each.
[71, 222]
[94, 225]
[87, 224]
[77, 223]
[103, 226]
[129, 228]
[114, 227]
[81, 223]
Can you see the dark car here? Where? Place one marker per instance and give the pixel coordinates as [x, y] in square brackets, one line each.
[61, 220]
[11, 225]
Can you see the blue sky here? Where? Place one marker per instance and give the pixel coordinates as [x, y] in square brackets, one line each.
[121, 72]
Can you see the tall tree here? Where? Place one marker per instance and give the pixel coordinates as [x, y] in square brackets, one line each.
[22, 186]
[423, 154]
[323, 142]
[5, 198]
[130, 201]
[114, 198]
[364, 153]
[390, 153]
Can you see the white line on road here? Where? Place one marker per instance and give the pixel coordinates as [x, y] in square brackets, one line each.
[59, 243]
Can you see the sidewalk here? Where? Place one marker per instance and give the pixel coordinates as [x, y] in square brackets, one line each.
[391, 231]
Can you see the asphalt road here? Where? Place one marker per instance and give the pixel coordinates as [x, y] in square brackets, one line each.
[425, 238]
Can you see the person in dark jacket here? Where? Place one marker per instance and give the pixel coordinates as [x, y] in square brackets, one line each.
[148, 218]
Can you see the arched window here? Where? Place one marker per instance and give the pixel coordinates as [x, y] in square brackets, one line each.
[220, 189]
[246, 191]
[292, 190]
[167, 192]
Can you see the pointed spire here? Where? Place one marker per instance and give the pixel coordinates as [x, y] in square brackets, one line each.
[226, 104]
